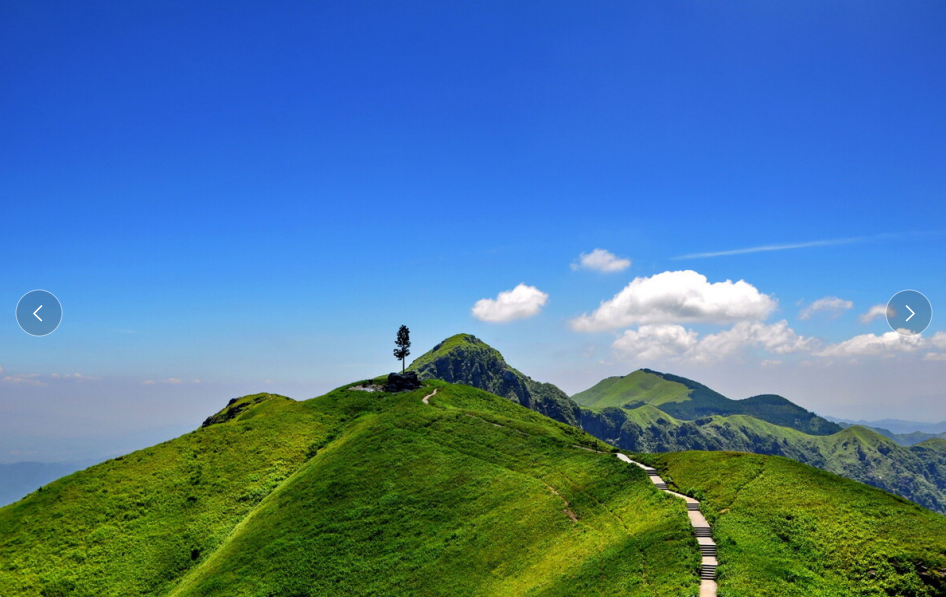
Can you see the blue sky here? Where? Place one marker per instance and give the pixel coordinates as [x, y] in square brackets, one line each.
[256, 197]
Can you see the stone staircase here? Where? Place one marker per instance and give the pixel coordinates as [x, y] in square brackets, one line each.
[701, 528]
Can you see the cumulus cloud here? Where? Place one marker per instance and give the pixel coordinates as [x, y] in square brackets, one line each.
[651, 342]
[831, 305]
[602, 261]
[520, 302]
[674, 342]
[939, 340]
[678, 297]
[873, 313]
[889, 343]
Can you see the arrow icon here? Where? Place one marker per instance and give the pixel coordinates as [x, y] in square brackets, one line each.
[40, 307]
[911, 313]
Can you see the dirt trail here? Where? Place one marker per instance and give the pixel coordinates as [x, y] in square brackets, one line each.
[426, 399]
[700, 527]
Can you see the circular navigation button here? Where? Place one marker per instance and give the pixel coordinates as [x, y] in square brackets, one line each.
[909, 312]
[39, 313]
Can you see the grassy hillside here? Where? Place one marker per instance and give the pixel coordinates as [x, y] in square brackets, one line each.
[785, 529]
[354, 493]
[640, 387]
[134, 525]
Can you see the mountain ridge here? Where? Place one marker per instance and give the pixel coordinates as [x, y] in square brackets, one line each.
[686, 399]
[649, 411]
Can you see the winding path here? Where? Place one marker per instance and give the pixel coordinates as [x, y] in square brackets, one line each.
[700, 527]
[426, 399]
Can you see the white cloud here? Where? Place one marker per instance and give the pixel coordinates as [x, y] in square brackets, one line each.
[674, 342]
[777, 338]
[804, 245]
[770, 363]
[170, 380]
[873, 313]
[30, 379]
[602, 261]
[872, 344]
[939, 340]
[678, 297]
[935, 356]
[77, 376]
[196, 381]
[522, 301]
[829, 304]
[149, 382]
[651, 342]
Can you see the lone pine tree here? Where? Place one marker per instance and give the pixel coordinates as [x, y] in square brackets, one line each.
[403, 343]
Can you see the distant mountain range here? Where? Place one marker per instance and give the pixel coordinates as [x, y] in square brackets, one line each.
[648, 411]
[908, 433]
[897, 426]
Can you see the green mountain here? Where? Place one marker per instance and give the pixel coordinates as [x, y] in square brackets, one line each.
[466, 359]
[785, 529]
[686, 399]
[355, 493]
[648, 411]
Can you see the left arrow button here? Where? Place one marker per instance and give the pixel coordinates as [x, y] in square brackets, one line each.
[28, 313]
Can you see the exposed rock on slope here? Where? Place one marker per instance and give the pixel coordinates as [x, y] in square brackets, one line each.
[466, 359]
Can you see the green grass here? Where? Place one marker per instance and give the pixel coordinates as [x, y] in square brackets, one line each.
[641, 387]
[136, 524]
[787, 529]
[355, 493]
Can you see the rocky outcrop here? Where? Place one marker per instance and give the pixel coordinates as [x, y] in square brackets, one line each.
[466, 359]
[402, 382]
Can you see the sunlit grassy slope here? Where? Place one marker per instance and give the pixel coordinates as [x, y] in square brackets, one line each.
[354, 493]
[787, 529]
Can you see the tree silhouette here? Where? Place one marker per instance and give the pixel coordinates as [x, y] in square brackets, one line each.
[403, 345]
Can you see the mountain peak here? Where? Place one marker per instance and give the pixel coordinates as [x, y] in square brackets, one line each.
[465, 359]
